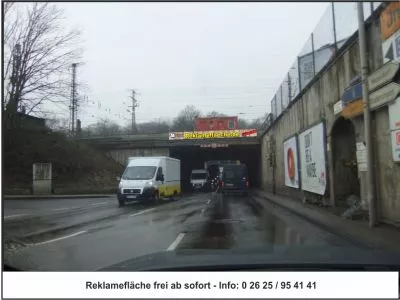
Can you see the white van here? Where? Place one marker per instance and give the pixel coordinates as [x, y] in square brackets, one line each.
[147, 179]
[199, 180]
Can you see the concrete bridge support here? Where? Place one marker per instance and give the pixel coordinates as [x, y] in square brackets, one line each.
[122, 155]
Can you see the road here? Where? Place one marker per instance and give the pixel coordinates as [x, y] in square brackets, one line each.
[90, 234]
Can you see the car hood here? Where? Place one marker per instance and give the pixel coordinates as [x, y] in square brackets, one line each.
[278, 257]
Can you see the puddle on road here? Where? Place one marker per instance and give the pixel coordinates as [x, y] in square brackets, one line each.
[12, 245]
[26, 226]
[233, 223]
[277, 232]
[216, 234]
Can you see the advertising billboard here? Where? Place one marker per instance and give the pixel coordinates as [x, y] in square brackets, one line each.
[291, 162]
[394, 121]
[212, 134]
[312, 159]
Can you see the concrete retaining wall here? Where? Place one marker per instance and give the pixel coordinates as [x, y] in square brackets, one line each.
[315, 104]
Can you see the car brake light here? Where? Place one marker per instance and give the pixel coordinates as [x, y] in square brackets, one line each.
[247, 183]
[222, 184]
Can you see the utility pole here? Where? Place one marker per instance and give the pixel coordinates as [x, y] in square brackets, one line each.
[367, 115]
[73, 107]
[14, 95]
[133, 106]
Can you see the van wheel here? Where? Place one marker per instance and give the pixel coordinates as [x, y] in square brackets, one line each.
[121, 203]
[156, 198]
[174, 197]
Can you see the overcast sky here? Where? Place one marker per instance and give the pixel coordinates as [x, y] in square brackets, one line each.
[228, 57]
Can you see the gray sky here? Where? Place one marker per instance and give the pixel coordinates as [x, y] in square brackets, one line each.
[228, 57]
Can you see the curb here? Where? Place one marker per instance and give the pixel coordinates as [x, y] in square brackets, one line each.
[352, 239]
[53, 197]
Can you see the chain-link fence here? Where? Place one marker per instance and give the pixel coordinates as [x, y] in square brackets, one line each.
[338, 23]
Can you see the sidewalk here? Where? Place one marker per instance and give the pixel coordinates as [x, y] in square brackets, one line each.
[383, 237]
[49, 197]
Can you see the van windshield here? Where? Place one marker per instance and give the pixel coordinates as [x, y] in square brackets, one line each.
[231, 173]
[139, 173]
[199, 175]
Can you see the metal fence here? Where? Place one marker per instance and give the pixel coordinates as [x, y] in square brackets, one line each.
[338, 23]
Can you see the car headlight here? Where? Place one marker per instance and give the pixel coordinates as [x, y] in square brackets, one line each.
[149, 183]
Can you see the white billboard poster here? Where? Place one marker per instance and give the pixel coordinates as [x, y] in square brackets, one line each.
[291, 163]
[312, 159]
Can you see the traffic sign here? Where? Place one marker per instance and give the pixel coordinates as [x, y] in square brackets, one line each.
[391, 48]
[394, 114]
[338, 107]
[383, 75]
[395, 137]
[352, 93]
[353, 109]
[386, 94]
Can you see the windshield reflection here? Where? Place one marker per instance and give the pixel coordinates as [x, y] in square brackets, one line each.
[139, 173]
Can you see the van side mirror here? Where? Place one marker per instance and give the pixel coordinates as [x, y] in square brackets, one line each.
[160, 177]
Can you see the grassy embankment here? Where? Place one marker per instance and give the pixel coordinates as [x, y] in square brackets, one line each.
[77, 168]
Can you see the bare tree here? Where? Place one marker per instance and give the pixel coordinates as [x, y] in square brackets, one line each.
[186, 119]
[214, 114]
[159, 126]
[9, 28]
[103, 127]
[243, 124]
[38, 55]
[58, 124]
[257, 123]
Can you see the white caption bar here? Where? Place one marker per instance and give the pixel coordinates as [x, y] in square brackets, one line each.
[366, 285]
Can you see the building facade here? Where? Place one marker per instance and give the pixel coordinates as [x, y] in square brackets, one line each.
[216, 123]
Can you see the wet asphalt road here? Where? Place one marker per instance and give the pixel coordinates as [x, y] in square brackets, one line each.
[90, 234]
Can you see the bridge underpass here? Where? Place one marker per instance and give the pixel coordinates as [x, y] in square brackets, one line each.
[193, 157]
[190, 152]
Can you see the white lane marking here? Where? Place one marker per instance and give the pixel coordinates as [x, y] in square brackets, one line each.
[60, 238]
[175, 243]
[100, 203]
[208, 202]
[63, 208]
[14, 216]
[142, 212]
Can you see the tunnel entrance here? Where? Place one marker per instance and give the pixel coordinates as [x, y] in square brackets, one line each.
[193, 157]
[345, 172]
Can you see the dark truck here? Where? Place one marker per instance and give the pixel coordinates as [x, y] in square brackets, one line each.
[235, 179]
[213, 166]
